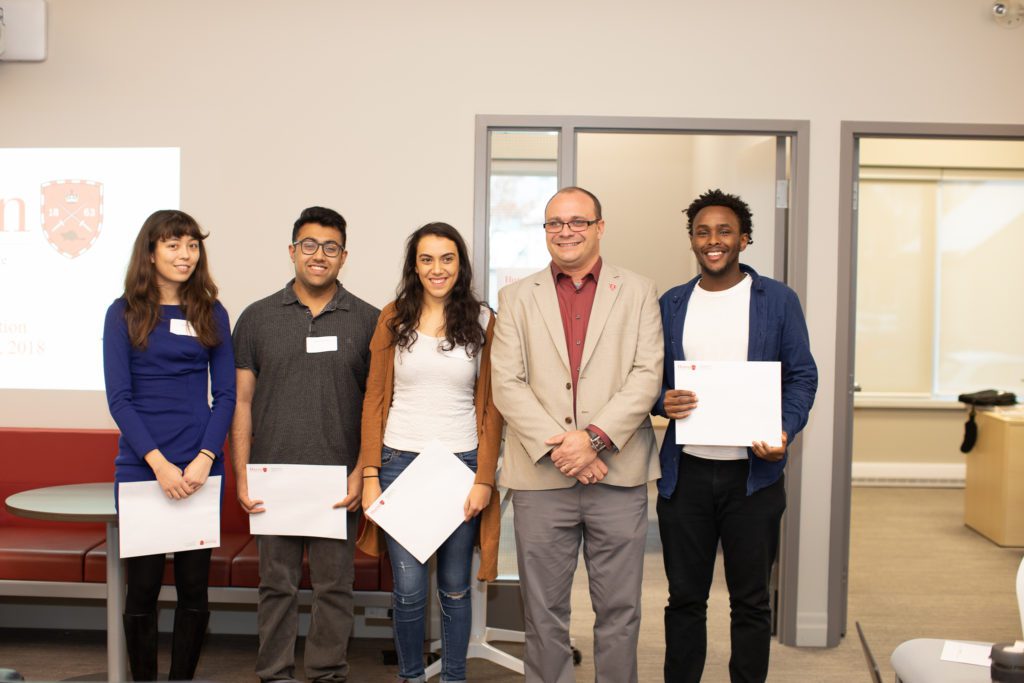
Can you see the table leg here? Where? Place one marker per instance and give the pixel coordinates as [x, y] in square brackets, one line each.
[117, 655]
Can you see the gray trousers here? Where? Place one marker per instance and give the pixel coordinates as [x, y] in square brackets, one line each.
[612, 523]
[330, 624]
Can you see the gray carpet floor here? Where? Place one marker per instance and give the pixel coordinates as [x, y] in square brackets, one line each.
[915, 571]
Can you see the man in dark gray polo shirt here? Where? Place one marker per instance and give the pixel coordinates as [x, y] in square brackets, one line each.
[302, 356]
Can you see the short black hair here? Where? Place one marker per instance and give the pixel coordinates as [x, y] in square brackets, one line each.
[329, 218]
[730, 201]
[573, 188]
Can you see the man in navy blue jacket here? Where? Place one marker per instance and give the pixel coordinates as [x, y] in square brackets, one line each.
[734, 495]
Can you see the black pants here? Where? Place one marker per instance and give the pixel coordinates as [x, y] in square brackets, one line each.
[144, 576]
[708, 505]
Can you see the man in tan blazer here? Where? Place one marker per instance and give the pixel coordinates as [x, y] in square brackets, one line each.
[576, 367]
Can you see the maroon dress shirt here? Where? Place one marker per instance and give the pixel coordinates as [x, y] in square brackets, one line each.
[575, 304]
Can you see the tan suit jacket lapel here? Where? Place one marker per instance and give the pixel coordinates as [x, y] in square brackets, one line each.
[604, 299]
[547, 302]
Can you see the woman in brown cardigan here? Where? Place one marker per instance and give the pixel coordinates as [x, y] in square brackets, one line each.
[431, 350]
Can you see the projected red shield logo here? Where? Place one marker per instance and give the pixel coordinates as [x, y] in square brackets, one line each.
[71, 214]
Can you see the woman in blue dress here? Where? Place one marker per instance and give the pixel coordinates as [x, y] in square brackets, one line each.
[162, 339]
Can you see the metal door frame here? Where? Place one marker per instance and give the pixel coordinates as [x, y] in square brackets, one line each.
[790, 261]
[846, 311]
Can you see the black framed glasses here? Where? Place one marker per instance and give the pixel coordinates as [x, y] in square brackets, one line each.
[576, 225]
[309, 247]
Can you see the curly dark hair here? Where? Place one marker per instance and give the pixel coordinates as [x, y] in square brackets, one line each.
[461, 310]
[729, 201]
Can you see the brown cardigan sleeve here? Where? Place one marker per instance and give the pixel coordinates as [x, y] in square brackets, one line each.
[379, 386]
[489, 420]
[376, 403]
[489, 426]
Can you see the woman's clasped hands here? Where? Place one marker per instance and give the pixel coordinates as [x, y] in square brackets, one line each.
[174, 482]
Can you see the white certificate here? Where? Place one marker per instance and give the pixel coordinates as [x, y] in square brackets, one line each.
[966, 653]
[425, 504]
[153, 524]
[738, 402]
[299, 500]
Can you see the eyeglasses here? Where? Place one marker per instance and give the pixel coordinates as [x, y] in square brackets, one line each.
[309, 247]
[576, 225]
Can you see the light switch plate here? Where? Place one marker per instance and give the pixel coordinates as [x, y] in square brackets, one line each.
[24, 31]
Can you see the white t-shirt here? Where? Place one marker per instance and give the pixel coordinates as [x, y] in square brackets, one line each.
[433, 397]
[717, 327]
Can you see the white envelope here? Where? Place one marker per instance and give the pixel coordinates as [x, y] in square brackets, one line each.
[298, 500]
[153, 524]
[738, 402]
[424, 505]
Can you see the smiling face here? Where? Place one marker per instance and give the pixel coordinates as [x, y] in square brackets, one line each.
[317, 272]
[717, 242]
[574, 252]
[437, 265]
[174, 259]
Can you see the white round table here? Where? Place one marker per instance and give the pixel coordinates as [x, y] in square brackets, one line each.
[86, 503]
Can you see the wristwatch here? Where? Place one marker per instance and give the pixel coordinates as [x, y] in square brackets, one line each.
[596, 442]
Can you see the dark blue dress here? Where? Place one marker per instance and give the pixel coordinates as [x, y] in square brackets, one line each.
[159, 396]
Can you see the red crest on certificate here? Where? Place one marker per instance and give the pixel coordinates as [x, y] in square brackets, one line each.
[71, 214]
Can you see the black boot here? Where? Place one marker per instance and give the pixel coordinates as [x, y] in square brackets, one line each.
[140, 637]
[189, 631]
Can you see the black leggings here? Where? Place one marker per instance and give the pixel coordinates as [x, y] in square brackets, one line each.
[145, 575]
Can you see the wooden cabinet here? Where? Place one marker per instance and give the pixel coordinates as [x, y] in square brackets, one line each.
[994, 495]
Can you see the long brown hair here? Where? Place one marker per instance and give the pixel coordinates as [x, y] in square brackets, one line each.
[142, 295]
[461, 310]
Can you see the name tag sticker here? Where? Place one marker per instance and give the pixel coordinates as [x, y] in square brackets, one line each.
[182, 327]
[321, 344]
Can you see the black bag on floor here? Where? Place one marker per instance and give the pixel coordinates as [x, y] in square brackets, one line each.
[987, 397]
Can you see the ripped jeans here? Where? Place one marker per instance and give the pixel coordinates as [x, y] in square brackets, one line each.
[412, 581]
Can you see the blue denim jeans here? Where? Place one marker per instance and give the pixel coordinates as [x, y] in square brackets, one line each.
[412, 579]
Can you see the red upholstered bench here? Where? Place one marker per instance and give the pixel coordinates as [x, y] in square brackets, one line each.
[29, 554]
[34, 553]
[33, 550]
